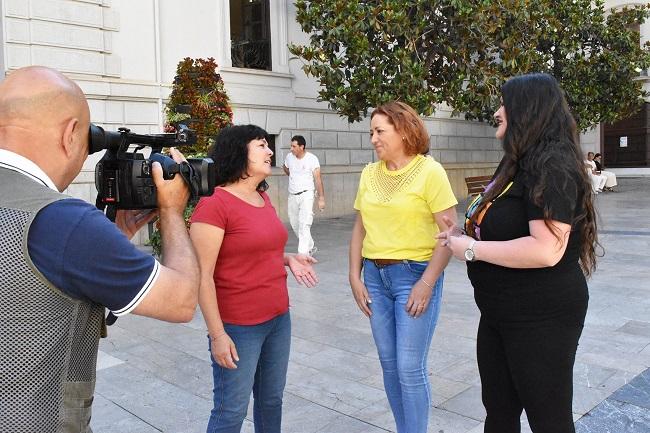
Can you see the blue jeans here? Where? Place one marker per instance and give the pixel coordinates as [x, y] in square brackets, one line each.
[262, 368]
[403, 341]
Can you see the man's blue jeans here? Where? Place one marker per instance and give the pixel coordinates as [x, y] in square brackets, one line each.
[403, 341]
[262, 368]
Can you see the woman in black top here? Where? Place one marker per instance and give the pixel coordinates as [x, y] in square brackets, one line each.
[529, 245]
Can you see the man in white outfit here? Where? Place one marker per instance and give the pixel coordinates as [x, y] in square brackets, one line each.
[303, 170]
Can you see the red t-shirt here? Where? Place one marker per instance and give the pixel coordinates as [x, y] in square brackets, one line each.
[249, 276]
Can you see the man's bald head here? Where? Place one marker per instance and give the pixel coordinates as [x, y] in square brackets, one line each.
[44, 117]
[39, 94]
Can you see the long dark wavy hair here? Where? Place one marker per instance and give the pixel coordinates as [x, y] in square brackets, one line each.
[230, 153]
[541, 134]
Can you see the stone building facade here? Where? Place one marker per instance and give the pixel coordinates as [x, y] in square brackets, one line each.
[123, 54]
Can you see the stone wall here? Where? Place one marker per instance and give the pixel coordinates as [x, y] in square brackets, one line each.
[72, 36]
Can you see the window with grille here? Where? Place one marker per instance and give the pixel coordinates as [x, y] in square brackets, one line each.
[250, 34]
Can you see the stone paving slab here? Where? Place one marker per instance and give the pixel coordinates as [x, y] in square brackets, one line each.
[625, 411]
[156, 377]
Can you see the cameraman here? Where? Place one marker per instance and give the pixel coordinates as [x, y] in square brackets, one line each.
[63, 261]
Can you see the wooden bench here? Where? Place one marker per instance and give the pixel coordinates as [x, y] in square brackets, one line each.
[477, 184]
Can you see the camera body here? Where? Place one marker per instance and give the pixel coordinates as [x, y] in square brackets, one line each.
[123, 178]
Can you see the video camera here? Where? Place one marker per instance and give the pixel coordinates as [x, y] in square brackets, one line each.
[123, 178]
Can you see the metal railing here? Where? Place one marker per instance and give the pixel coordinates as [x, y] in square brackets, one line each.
[251, 54]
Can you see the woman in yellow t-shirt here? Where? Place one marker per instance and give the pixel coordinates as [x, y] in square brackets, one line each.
[401, 200]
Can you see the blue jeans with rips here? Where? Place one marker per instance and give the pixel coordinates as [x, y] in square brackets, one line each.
[262, 368]
[403, 341]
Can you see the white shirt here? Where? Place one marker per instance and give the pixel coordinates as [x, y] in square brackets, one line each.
[301, 172]
[27, 167]
[590, 164]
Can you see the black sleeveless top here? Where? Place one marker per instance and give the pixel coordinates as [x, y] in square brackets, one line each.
[514, 294]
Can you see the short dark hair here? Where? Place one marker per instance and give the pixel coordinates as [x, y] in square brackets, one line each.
[300, 140]
[597, 155]
[230, 153]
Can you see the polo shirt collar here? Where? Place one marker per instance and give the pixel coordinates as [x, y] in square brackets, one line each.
[26, 167]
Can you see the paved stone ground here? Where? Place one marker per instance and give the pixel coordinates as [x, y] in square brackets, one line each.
[154, 376]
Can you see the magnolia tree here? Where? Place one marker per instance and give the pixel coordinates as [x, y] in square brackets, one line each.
[459, 52]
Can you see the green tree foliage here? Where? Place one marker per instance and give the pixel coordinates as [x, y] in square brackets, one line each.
[459, 52]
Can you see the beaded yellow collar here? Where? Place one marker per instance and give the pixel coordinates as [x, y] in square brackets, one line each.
[385, 183]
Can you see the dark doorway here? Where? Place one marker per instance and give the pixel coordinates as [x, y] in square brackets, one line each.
[626, 143]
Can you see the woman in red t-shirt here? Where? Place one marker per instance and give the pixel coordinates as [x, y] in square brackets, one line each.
[240, 244]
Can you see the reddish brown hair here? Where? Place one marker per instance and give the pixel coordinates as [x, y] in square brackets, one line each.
[408, 124]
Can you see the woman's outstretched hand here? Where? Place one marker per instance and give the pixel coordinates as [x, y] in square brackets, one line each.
[302, 269]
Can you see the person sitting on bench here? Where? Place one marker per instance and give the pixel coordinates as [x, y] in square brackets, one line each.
[610, 175]
[597, 180]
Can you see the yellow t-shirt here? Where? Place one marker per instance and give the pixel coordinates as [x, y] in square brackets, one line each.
[397, 208]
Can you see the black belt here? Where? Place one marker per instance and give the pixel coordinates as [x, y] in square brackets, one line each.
[298, 193]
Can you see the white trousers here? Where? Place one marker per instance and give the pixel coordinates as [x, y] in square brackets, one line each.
[597, 182]
[611, 178]
[301, 216]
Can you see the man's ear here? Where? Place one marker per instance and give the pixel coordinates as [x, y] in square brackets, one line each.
[68, 142]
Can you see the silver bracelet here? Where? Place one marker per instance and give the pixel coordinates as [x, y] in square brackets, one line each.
[427, 284]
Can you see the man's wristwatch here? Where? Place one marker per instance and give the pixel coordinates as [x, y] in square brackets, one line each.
[469, 252]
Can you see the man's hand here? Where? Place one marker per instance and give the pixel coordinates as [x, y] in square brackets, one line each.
[320, 192]
[130, 221]
[174, 294]
[172, 194]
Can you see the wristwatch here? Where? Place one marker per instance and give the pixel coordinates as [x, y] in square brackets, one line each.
[469, 252]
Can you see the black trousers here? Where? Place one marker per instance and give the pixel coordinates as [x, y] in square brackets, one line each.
[529, 366]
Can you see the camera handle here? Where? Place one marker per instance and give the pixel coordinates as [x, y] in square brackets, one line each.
[169, 166]
[184, 169]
